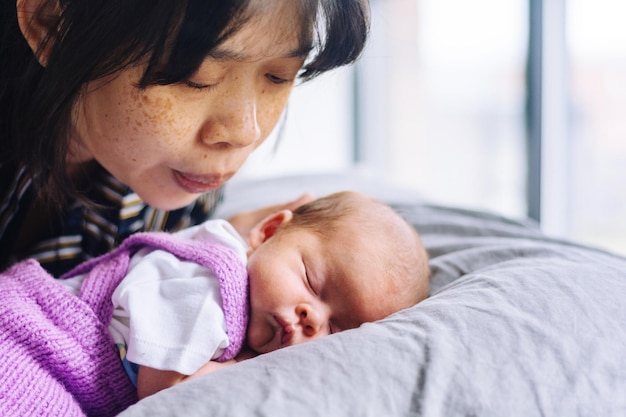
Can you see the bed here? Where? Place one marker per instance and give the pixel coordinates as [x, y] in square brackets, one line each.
[517, 324]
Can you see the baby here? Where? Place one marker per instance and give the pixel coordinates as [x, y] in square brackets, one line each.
[329, 266]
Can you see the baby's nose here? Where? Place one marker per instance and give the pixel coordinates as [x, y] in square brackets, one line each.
[311, 321]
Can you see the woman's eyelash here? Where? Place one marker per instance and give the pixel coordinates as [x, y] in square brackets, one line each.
[198, 86]
[277, 80]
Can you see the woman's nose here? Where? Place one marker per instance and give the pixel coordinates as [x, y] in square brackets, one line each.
[234, 124]
[311, 321]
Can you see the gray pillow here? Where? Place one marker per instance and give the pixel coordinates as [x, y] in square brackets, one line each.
[518, 324]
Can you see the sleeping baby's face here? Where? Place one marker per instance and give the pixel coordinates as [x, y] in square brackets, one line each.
[303, 286]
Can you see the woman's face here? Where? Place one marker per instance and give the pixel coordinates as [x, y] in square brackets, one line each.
[171, 143]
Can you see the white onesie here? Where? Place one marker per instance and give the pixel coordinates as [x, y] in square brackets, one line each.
[167, 312]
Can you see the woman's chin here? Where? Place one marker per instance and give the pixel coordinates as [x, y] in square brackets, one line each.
[169, 202]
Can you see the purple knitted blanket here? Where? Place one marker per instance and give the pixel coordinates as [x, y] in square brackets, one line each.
[56, 355]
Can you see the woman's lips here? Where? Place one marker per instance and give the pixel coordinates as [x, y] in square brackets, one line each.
[197, 184]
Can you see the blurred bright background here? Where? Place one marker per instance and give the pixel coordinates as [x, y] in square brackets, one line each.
[516, 107]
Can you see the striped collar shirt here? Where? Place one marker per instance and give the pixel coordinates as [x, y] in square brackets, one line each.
[86, 232]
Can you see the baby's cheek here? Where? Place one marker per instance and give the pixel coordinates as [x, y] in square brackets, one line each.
[259, 335]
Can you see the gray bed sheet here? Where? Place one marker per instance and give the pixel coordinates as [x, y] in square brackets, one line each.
[517, 324]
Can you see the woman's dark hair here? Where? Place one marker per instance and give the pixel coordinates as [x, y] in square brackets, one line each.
[96, 38]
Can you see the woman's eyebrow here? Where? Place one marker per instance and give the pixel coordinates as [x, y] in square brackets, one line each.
[221, 54]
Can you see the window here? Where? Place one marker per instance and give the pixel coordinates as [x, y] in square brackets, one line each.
[596, 144]
[446, 81]
[438, 103]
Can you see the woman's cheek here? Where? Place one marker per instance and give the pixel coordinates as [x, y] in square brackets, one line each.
[273, 107]
[163, 121]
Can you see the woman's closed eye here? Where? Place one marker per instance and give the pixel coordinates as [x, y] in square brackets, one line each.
[199, 86]
[279, 80]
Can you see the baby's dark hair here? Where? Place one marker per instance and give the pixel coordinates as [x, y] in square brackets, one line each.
[94, 39]
[404, 259]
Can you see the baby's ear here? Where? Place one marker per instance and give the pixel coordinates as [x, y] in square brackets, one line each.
[268, 226]
[38, 21]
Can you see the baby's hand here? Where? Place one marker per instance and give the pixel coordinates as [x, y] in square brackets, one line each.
[213, 366]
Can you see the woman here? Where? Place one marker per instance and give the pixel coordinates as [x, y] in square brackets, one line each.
[122, 116]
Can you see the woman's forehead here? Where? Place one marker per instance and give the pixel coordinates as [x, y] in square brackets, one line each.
[279, 21]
